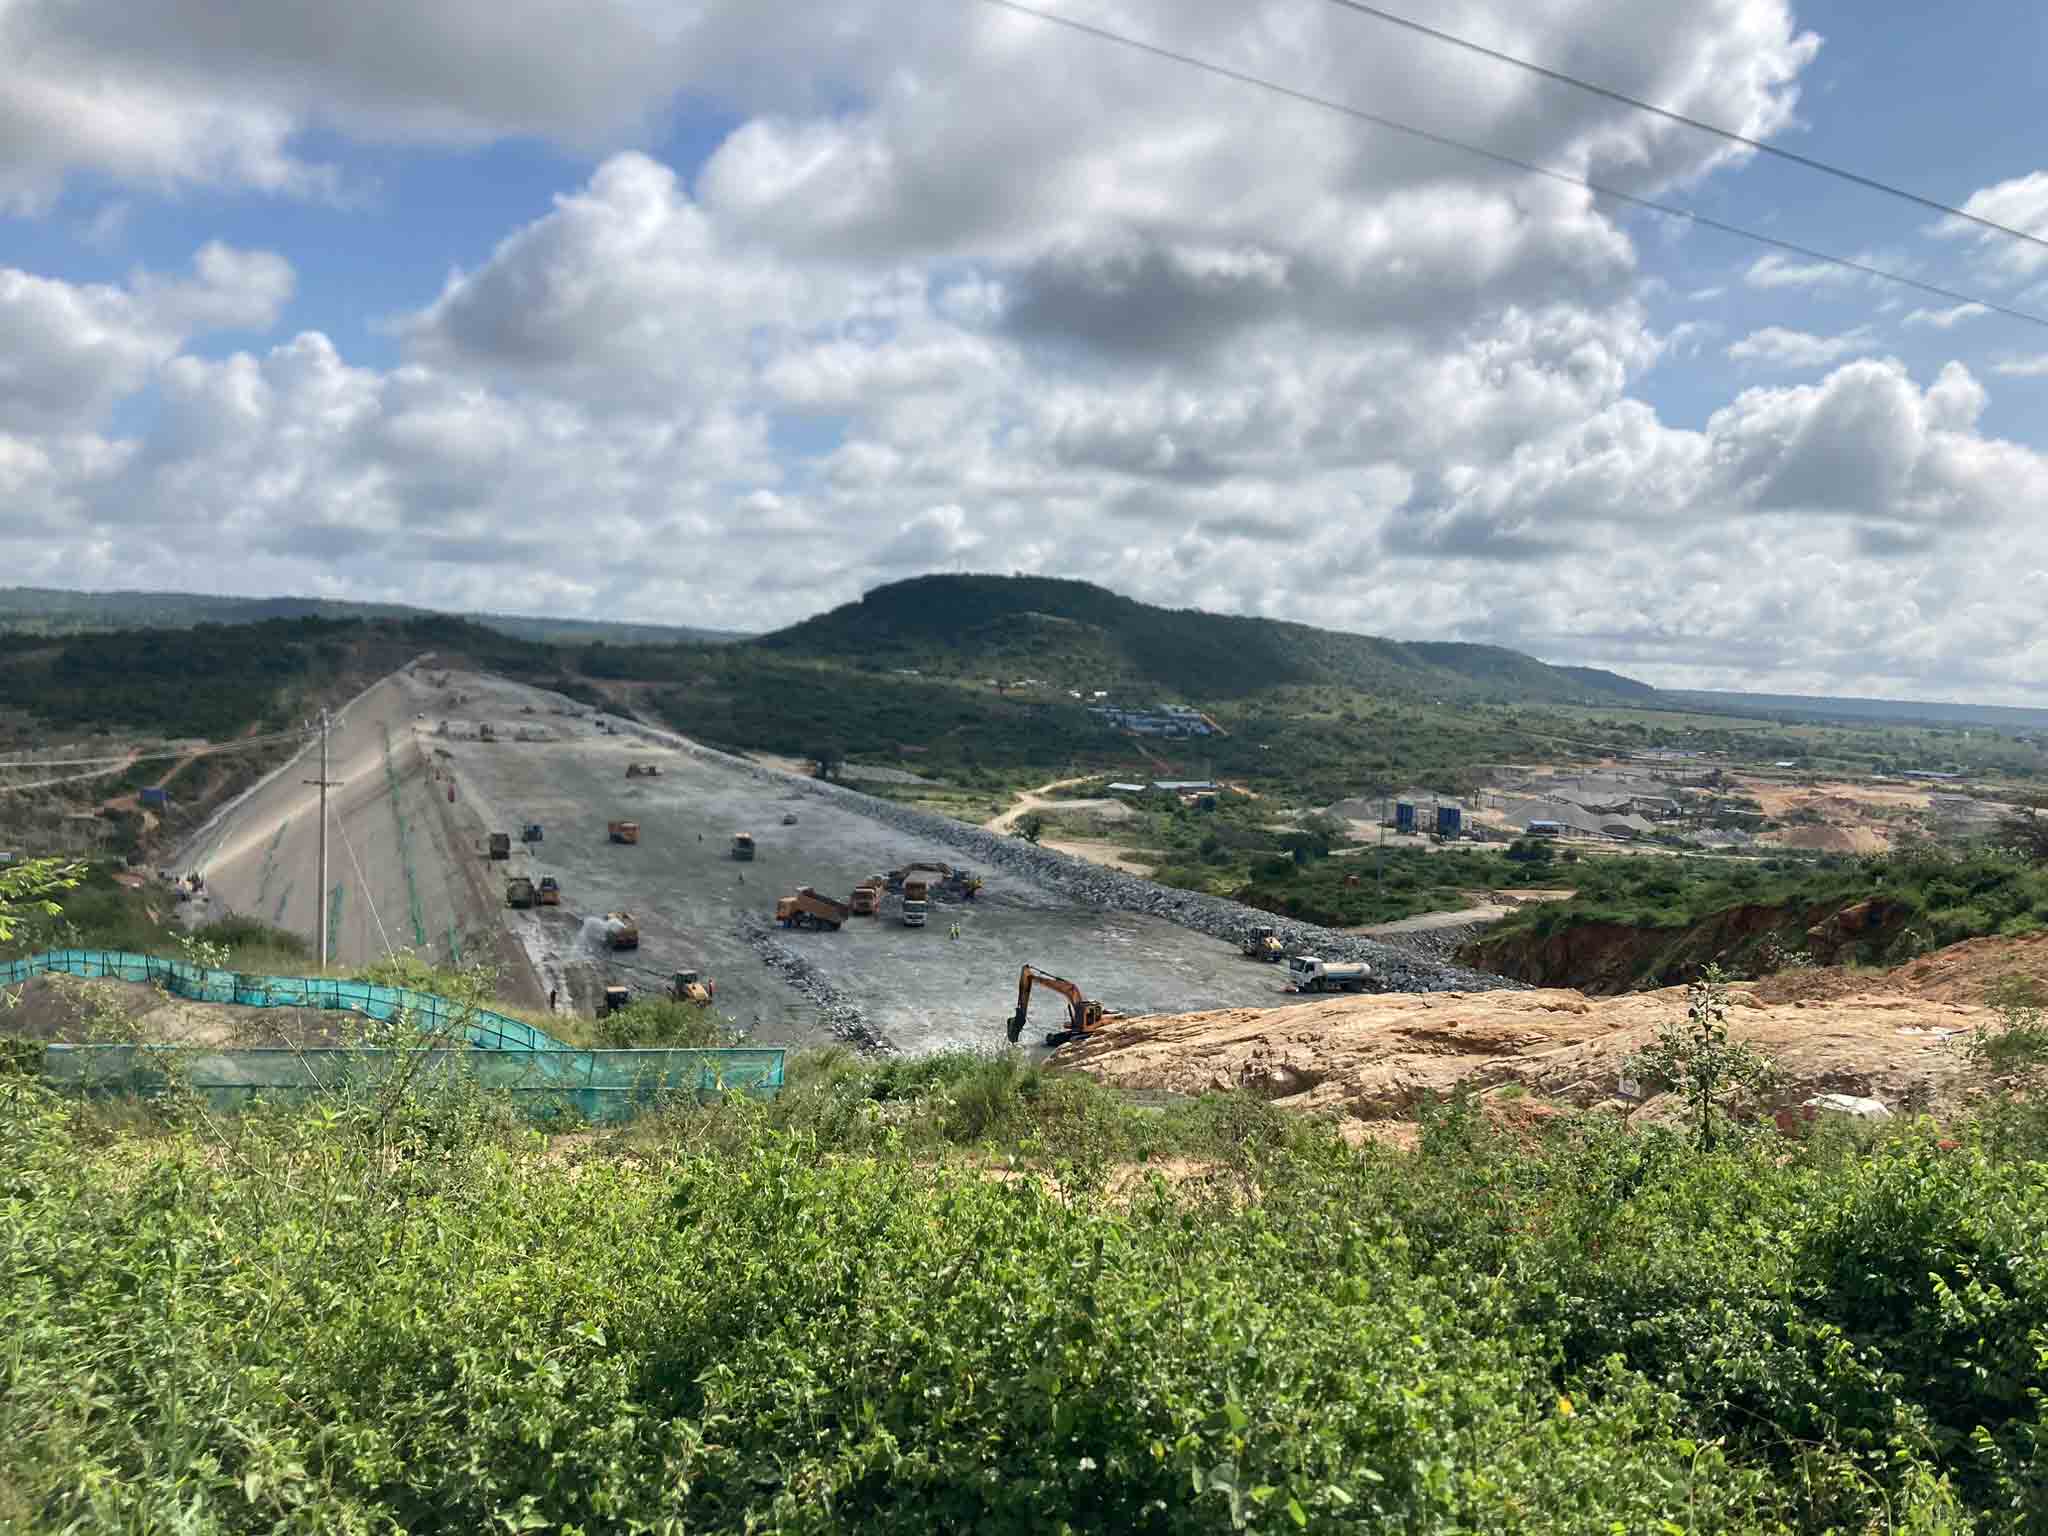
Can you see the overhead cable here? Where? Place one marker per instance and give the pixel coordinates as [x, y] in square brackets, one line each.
[1808, 161]
[1392, 125]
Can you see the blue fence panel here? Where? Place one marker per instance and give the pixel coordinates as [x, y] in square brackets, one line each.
[483, 1027]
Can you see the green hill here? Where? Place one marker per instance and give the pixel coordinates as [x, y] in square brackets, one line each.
[50, 611]
[1077, 634]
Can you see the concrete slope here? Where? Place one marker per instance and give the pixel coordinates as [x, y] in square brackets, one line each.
[405, 869]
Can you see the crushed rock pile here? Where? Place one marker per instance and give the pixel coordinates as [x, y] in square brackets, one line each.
[1395, 969]
[838, 1012]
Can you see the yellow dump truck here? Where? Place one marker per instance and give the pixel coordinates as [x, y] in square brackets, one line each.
[807, 909]
[867, 899]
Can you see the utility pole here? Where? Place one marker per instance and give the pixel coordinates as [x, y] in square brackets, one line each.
[320, 891]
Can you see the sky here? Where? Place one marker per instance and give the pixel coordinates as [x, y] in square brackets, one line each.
[670, 313]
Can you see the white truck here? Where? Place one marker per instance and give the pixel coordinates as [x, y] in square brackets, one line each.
[1310, 974]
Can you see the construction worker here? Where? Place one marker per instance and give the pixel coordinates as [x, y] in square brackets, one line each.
[552, 993]
[953, 932]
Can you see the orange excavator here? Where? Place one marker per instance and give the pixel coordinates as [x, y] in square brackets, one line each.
[1084, 1015]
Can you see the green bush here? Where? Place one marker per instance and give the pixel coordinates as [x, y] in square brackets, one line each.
[811, 1316]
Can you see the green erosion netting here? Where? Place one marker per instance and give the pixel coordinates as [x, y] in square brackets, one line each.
[596, 1086]
[492, 1031]
[507, 1055]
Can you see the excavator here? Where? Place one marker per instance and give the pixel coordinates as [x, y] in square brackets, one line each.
[1084, 1015]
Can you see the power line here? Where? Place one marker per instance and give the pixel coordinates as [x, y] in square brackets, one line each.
[1871, 182]
[1359, 113]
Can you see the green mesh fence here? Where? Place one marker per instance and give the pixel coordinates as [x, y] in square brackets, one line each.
[488, 1030]
[601, 1087]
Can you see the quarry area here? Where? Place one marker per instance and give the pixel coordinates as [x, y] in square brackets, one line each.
[431, 766]
[451, 791]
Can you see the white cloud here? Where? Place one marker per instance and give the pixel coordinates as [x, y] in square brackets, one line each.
[1705, 295]
[73, 350]
[1773, 270]
[2018, 203]
[1945, 319]
[2035, 367]
[1776, 347]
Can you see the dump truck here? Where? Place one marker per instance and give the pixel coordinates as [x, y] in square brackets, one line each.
[620, 931]
[643, 770]
[743, 845]
[805, 908]
[867, 899]
[954, 884]
[691, 987]
[1310, 973]
[550, 893]
[916, 901]
[1263, 944]
[501, 845]
[623, 831]
[530, 833]
[519, 892]
[1084, 1015]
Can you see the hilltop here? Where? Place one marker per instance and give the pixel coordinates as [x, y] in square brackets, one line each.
[1011, 626]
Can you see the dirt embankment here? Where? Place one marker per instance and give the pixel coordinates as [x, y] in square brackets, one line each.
[1898, 1036]
[1604, 959]
[1379, 1058]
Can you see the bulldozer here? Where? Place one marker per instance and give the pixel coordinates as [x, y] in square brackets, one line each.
[620, 931]
[1084, 1015]
[1264, 944]
[691, 987]
[519, 892]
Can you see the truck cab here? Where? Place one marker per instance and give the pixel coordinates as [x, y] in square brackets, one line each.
[916, 902]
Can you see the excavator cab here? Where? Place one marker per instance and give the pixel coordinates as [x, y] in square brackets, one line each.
[1084, 1015]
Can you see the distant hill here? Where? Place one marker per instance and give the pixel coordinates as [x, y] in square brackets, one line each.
[49, 611]
[1794, 706]
[1077, 634]
[1596, 680]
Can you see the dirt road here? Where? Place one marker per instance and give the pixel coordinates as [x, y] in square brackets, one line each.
[1033, 800]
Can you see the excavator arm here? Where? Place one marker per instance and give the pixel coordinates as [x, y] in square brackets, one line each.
[1084, 1016]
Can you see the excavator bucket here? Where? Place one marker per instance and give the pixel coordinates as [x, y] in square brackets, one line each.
[1016, 1026]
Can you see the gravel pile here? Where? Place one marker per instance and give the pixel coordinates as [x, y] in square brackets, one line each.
[1439, 944]
[836, 1011]
[1395, 969]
